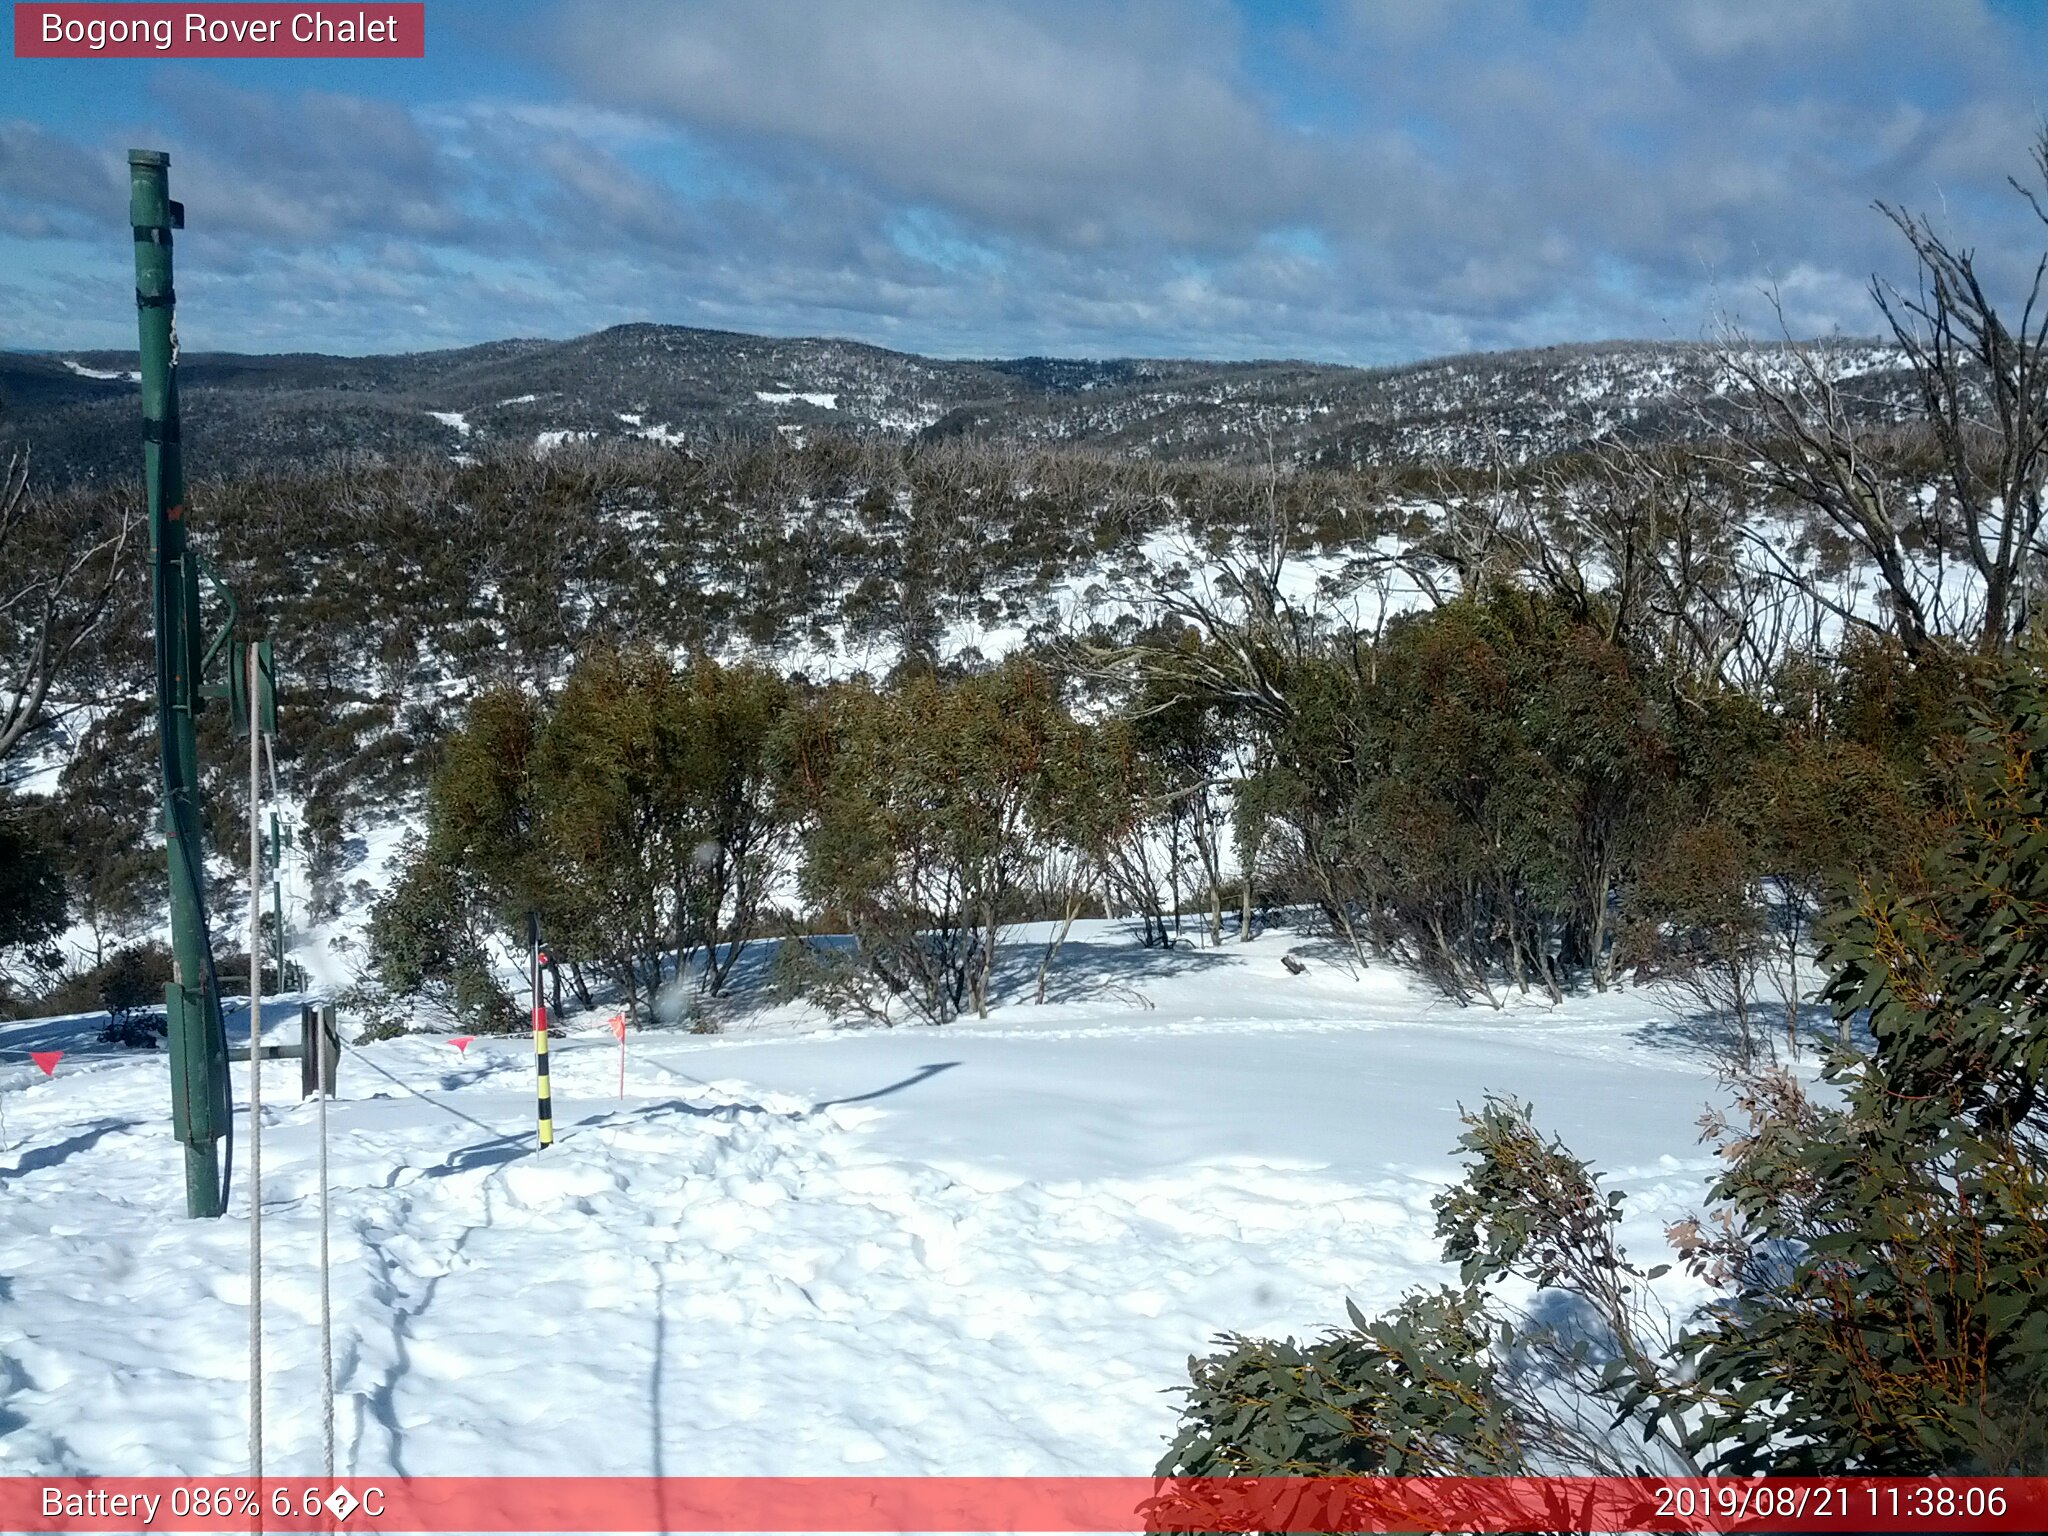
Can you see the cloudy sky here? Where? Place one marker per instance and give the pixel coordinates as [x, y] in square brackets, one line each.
[1357, 182]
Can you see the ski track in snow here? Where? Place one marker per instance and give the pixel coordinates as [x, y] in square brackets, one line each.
[983, 1249]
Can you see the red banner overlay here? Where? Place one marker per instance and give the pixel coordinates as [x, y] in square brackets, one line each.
[1052, 1504]
[214, 31]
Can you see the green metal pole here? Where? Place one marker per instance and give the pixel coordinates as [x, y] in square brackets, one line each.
[198, 1040]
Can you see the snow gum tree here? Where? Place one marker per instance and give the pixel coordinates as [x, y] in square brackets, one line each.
[1979, 366]
[33, 910]
[430, 935]
[429, 941]
[1471, 791]
[1911, 1334]
[1086, 810]
[658, 808]
[919, 803]
[640, 812]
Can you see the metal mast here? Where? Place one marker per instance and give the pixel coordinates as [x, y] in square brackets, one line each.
[198, 1040]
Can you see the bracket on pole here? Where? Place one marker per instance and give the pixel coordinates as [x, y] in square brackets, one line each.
[234, 687]
[263, 708]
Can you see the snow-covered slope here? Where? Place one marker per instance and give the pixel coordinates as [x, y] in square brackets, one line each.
[987, 1248]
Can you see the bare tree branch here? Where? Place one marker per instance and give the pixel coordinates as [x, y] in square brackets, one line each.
[58, 585]
[1982, 391]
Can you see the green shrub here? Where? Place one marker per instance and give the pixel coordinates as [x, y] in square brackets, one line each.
[1879, 1265]
[426, 944]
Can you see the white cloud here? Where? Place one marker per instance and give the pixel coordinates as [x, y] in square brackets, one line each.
[981, 176]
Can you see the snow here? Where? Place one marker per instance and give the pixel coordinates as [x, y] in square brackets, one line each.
[823, 402]
[987, 1248]
[545, 443]
[455, 419]
[127, 376]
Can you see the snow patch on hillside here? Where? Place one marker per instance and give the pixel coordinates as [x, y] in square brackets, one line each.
[129, 376]
[545, 443]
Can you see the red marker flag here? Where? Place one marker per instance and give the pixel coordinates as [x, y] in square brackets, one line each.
[461, 1042]
[47, 1060]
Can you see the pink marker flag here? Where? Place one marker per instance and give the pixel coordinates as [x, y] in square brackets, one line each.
[47, 1060]
[461, 1042]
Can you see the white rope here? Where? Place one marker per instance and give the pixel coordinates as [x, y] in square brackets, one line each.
[255, 1084]
[319, 1043]
[314, 1040]
[277, 867]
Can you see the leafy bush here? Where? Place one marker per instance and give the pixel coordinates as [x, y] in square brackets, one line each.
[1411, 1394]
[1911, 1334]
[1460, 1381]
[426, 944]
[1880, 1266]
[132, 978]
[128, 984]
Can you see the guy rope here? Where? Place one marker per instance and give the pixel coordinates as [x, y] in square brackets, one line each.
[254, 682]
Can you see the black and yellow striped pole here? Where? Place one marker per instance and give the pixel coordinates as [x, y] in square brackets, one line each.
[540, 1033]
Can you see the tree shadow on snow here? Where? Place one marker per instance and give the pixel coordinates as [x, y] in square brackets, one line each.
[494, 1153]
[1090, 968]
[922, 1075]
[506, 1147]
[39, 1158]
[1713, 1035]
[1085, 968]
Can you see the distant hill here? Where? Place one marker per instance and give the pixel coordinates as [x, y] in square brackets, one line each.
[77, 411]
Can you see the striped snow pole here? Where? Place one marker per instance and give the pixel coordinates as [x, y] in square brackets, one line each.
[540, 1035]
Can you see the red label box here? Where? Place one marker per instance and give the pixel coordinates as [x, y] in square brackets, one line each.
[217, 31]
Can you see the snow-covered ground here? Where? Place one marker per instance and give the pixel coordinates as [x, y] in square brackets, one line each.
[987, 1248]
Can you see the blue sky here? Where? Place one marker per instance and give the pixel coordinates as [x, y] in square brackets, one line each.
[1357, 182]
